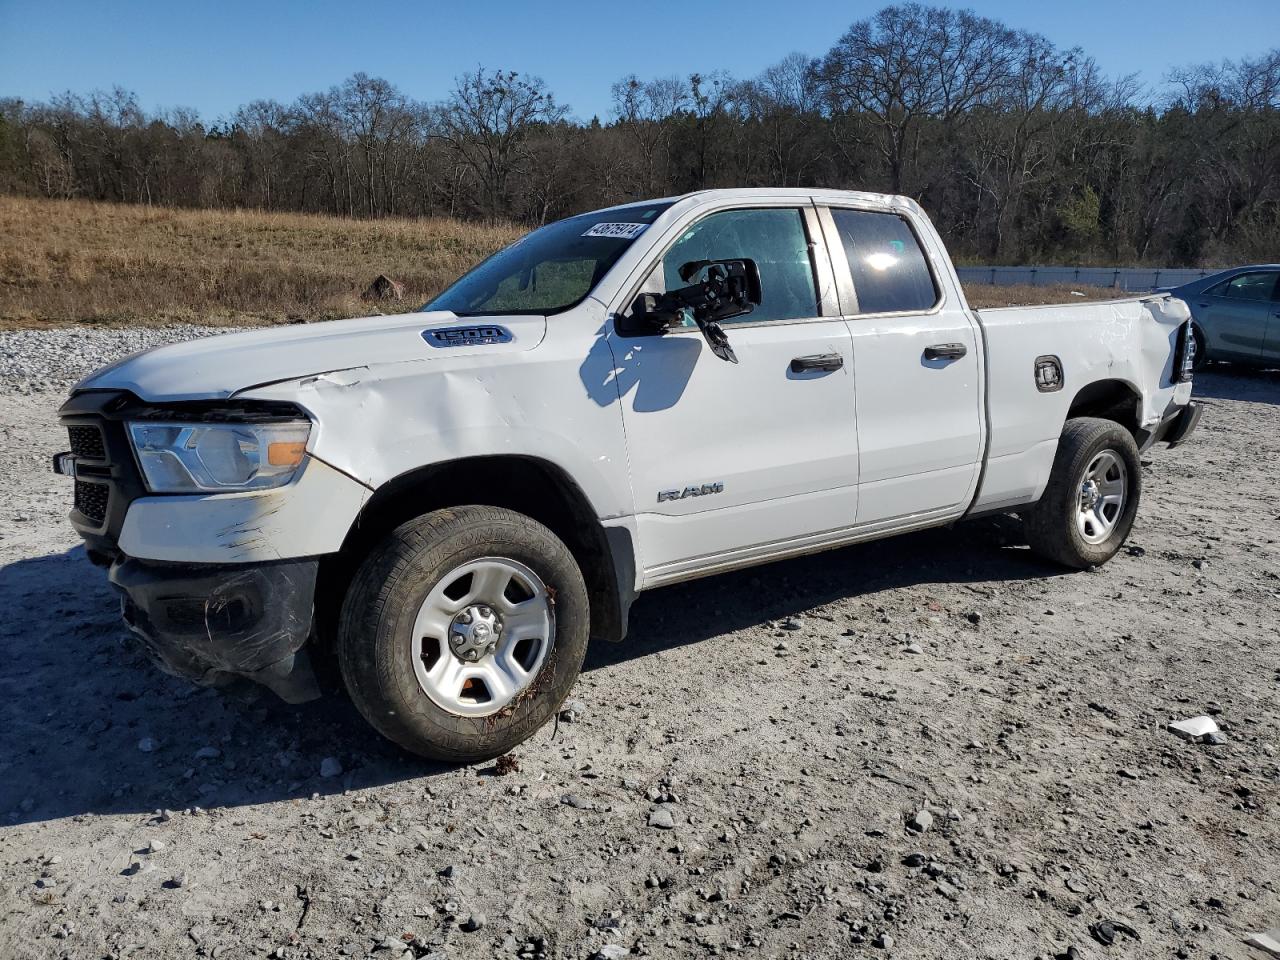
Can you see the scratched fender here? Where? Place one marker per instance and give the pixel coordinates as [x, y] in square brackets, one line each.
[307, 518]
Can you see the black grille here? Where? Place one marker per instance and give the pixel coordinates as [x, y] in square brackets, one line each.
[91, 500]
[86, 443]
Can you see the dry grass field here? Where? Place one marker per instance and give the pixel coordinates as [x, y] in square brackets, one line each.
[78, 262]
[67, 262]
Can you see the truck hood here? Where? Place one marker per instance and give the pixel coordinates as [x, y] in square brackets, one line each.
[214, 368]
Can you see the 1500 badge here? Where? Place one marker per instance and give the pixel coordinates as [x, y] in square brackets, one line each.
[702, 491]
[478, 335]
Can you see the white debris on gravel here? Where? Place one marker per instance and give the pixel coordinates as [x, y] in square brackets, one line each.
[52, 359]
[1196, 729]
[1268, 941]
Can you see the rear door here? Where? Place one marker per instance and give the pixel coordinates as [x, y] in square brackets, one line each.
[916, 370]
[1234, 315]
[737, 461]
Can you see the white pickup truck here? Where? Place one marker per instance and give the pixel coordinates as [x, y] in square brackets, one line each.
[450, 503]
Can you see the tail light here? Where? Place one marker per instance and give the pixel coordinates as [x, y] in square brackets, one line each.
[1184, 356]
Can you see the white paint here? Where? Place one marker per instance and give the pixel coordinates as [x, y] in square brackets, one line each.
[785, 448]
[309, 517]
[1131, 341]
[888, 442]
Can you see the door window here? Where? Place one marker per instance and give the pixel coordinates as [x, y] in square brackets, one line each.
[1249, 286]
[774, 238]
[890, 272]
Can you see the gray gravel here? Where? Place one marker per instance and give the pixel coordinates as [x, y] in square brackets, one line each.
[769, 724]
[50, 360]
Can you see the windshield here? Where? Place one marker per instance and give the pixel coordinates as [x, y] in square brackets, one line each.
[551, 269]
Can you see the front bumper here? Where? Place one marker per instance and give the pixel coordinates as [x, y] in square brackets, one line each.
[213, 623]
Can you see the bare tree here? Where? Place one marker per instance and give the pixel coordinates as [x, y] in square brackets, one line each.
[265, 126]
[646, 110]
[784, 100]
[909, 64]
[487, 120]
[375, 117]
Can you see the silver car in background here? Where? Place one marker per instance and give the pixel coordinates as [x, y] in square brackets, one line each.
[1236, 315]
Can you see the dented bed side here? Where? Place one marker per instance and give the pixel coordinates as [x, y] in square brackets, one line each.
[1132, 342]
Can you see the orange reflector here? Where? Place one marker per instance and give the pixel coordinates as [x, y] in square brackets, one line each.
[285, 453]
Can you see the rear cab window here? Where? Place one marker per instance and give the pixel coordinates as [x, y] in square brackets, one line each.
[890, 271]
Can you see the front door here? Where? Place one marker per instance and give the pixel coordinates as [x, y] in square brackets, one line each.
[915, 368]
[735, 461]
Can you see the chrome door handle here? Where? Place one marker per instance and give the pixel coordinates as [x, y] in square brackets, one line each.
[819, 361]
[945, 351]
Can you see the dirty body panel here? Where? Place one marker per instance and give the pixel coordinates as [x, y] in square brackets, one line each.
[217, 605]
[1133, 342]
[213, 623]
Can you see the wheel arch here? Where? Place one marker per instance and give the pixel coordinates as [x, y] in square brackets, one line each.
[530, 485]
[1110, 399]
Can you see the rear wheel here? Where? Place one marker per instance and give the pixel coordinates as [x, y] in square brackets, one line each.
[463, 632]
[1091, 499]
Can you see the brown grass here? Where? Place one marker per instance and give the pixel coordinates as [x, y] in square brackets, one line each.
[982, 296]
[77, 262]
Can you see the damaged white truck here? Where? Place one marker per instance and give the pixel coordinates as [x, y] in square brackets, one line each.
[450, 503]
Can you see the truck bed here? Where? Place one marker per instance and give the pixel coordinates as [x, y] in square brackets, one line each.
[1108, 346]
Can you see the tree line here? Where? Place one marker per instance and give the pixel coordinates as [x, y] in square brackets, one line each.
[1020, 151]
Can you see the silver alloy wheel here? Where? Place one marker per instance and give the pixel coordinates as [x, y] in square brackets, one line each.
[1103, 492]
[482, 635]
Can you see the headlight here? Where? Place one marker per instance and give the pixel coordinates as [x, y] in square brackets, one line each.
[218, 457]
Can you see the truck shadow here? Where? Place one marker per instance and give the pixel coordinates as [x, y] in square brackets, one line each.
[80, 701]
[988, 550]
[92, 727]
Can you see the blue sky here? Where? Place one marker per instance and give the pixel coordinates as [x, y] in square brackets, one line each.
[214, 56]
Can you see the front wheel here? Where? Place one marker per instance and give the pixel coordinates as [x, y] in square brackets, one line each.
[1091, 499]
[463, 631]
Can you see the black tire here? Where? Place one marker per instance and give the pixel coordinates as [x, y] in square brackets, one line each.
[1201, 359]
[1051, 525]
[374, 643]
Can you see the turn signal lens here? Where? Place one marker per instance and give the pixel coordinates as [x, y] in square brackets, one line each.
[286, 453]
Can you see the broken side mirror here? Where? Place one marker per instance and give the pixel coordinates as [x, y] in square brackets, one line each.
[728, 289]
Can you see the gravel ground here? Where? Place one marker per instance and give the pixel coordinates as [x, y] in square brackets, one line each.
[930, 746]
[41, 361]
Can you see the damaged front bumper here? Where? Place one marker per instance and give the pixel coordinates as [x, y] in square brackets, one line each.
[213, 623]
